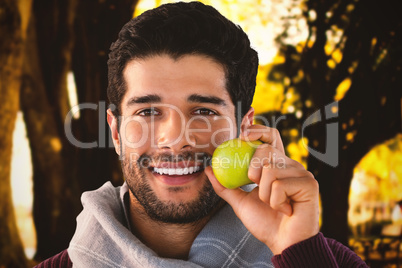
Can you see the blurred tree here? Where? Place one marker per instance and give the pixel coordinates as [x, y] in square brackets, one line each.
[12, 26]
[353, 55]
[13, 21]
[66, 36]
[44, 104]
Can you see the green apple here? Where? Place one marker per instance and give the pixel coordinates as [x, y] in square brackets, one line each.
[231, 160]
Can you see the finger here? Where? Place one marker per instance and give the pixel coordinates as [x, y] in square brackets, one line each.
[267, 155]
[262, 157]
[265, 185]
[232, 196]
[270, 174]
[291, 192]
[279, 199]
[264, 134]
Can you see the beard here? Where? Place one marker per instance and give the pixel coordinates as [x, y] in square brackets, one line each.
[168, 211]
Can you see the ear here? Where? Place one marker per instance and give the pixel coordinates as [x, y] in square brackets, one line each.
[114, 128]
[247, 120]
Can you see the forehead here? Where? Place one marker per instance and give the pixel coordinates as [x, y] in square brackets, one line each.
[173, 79]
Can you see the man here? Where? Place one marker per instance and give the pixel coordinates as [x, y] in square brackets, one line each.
[181, 82]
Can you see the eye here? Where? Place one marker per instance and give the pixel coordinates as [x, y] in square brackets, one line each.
[204, 111]
[149, 112]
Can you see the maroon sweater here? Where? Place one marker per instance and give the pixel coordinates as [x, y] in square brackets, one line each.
[317, 251]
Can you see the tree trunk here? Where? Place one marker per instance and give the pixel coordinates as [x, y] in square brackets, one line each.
[61, 171]
[97, 26]
[56, 201]
[12, 25]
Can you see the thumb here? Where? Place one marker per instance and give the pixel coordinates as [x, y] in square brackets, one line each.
[232, 196]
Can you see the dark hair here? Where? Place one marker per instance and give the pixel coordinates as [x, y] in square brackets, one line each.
[180, 29]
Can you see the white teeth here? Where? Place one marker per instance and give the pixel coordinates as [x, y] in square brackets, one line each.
[177, 171]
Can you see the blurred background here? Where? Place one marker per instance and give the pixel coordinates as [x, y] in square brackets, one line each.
[327, 69]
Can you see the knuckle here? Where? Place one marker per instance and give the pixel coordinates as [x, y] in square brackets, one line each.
[316, 185]
[312, 181]
[310, 175]
[252, 175]
[297, 164]
[276, 135]
[275, 205]
[276, 185]
[275, 132]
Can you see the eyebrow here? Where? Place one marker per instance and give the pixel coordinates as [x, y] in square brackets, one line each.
[151, 98]
[206, 99]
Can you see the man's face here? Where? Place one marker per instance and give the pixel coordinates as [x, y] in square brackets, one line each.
[174, 114]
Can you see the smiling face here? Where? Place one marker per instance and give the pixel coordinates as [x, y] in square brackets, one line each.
[175, 112]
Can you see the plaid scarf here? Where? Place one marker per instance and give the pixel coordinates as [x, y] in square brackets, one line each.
[103, 238]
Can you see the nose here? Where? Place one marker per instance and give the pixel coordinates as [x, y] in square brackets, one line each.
[173, 134]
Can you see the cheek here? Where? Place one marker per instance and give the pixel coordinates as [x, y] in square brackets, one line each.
[134, 138]
[224, 129]
[220, 135]
[212, 133]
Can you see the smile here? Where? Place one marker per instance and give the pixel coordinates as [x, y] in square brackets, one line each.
[177, 174]
[177, 171]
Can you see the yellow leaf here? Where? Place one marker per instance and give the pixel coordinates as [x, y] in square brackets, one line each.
[337, 55]
[342, 88]
[328, 49]
[268, 95]
[331, 63]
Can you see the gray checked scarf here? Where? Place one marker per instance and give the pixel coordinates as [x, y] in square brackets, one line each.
[103, 238]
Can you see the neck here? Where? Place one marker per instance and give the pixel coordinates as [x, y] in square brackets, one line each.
[168, 240]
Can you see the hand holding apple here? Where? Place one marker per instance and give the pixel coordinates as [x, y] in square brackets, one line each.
[283, 209]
